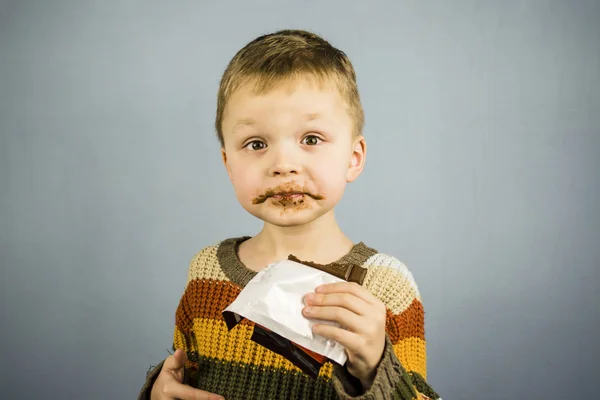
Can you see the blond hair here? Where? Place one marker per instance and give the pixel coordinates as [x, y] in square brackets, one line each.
[289, 54]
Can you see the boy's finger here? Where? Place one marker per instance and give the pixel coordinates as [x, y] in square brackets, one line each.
[342, 316]
[184, 392]
[348, 287]
[350, 340]
[345, 300]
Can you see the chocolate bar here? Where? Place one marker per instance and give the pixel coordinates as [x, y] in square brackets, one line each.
[347, 272]
[273, 300]
[310, 363]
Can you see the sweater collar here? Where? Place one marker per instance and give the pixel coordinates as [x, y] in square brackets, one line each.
[239, 274]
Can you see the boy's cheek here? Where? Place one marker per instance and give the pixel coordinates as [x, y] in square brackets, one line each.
[246, 190]
[243, 175]
[331, 175]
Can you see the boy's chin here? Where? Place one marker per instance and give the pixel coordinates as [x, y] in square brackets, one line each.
[289, 218]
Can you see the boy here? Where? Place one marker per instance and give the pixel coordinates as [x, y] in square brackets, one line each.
[289, 121]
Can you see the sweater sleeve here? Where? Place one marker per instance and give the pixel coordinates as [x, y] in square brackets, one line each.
[151, 376]
[402, 370]
[182, 339]
[183, 333]
[392, 380]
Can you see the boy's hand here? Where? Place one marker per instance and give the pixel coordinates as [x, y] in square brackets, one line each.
[362, 317]
[169, 386]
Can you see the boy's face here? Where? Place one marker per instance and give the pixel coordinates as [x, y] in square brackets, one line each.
[290, 151]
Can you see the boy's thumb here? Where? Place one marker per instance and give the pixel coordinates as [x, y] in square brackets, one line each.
[177, 360]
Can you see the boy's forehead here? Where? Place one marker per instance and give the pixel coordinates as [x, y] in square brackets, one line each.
[310, 99]
[291, 88]
[261, 85]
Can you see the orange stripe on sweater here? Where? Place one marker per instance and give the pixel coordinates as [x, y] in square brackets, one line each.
[208, 298]
[409, 323]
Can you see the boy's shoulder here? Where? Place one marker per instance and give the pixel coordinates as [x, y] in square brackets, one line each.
[390, 279]
[387, 263]
[205, 263]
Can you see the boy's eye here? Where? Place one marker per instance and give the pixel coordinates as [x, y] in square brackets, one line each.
[311, 140]
[256, 145]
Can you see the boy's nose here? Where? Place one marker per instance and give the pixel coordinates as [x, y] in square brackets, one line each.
[283, 169]
[285, 159]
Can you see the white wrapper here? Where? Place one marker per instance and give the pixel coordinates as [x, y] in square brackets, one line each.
[274, 299]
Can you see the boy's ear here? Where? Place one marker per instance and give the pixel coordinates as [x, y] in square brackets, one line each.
[224, 157]
[357, 161]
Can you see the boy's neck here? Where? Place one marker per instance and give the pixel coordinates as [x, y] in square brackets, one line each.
[321, 241]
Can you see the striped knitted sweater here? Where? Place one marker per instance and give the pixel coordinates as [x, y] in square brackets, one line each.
[232, 365]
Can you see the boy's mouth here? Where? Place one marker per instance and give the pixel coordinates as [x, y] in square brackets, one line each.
[285, 193]
[288, 196]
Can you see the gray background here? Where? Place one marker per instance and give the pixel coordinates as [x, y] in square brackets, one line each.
[483, 128]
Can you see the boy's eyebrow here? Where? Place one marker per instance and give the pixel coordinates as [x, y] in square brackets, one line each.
[240, 123]
[243, 122]
[311, 116]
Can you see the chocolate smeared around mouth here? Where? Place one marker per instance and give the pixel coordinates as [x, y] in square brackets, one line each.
[285, 194]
